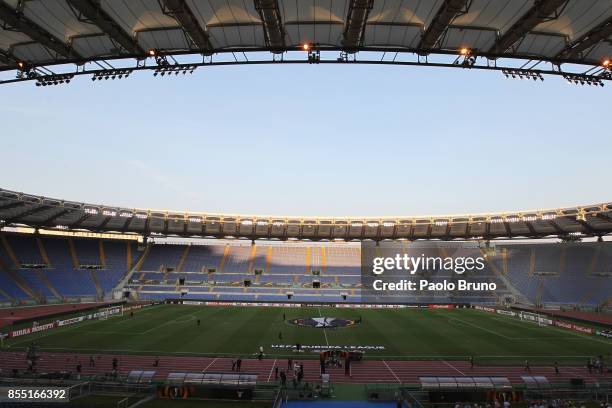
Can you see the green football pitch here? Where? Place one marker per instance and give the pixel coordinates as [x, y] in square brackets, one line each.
[402, 334]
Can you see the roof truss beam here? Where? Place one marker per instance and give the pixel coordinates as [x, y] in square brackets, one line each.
[60, 214]
[19, 22]
[358, 13]
[604, 217]
[95, 14]
[5, 58]
[274, 31]
[508, 229]
[538, 13]
[532, 230]
[12, 205]
[593, 37]
[448, 11]
[183, 14]
[587, 227]
[558, 230]
[78, 222]
[27, 213]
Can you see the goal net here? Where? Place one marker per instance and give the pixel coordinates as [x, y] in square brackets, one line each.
[538, 319]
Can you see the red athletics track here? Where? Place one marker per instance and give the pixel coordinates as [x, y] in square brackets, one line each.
[369, 371]
[10, 315]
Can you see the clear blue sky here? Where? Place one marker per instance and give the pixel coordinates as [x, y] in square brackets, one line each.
[311, 140]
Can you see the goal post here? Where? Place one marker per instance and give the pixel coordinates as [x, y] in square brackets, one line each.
[113, 311]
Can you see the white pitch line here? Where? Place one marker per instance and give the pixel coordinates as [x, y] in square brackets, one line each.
[169, 322]
[324, 332]
[211, 363]
[481, 328]
[272, 369]
[453, 367]
[392, 372]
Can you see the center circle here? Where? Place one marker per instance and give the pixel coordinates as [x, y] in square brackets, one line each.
[323, 322]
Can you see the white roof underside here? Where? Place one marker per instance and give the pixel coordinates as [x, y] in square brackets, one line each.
[236, 24]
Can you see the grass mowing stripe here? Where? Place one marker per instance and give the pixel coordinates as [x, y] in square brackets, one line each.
[405, 334]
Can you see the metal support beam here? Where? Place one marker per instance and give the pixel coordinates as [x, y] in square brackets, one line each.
[532, 230]
[604, 217]
[5, 58]
[78, 222]
[593, 37]
[449, 10]
[126, 224]
[538, 13]
[21, 23]
[102, 226]
[60, 214]
[587, 227]
[183, 14]
[508, 229]
[356, 23]
[557, 227]
[274, 31]
[12, 205]
[27, 213]
[94, 13]
[447, 232]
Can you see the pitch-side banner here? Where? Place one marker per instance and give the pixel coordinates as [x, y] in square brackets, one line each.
[398, 272]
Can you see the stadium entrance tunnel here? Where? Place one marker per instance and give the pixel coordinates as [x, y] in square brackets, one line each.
[324, 322]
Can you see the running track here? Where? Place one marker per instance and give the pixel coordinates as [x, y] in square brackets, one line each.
[369, 371]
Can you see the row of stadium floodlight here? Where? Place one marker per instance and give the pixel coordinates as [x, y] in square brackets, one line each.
[356, 224]
[581, 216]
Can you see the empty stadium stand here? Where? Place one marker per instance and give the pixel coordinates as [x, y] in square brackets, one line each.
[49, 269]
[53, 269]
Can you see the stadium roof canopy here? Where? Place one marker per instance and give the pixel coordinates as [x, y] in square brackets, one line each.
[18, 209]
[526, 37]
